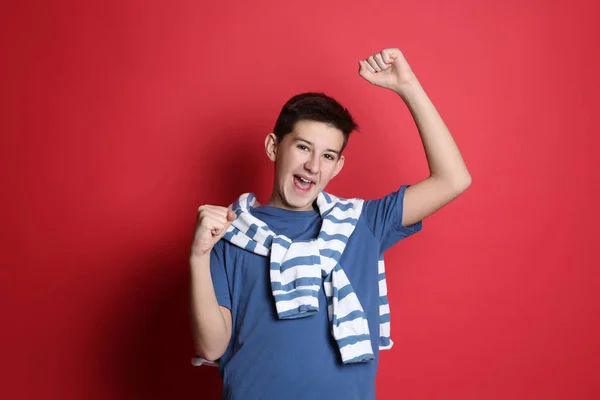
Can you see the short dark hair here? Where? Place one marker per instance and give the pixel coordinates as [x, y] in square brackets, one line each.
[315, 107]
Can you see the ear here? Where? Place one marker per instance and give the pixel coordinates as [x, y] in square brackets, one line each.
[271, 146]
[339, 166]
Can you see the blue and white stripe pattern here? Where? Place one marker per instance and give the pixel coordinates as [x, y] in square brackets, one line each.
[298, 269]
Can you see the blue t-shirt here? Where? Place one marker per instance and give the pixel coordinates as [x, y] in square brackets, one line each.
[272, 359]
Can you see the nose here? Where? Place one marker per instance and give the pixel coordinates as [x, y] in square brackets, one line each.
[312, 164]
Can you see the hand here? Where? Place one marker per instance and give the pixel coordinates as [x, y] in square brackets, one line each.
[388, 69]
[211, 225]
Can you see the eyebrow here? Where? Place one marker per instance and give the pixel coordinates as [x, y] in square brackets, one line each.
[306, 141]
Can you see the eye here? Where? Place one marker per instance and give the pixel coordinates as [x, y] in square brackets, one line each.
[302, 147]
[330, 157]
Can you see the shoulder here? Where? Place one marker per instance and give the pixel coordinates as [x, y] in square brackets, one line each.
[391, 203]
[383, 216]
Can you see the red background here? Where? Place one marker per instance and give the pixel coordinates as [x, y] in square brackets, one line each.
[120, 118]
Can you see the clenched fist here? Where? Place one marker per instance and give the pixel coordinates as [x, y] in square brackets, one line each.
[388, 69]
[211, 225]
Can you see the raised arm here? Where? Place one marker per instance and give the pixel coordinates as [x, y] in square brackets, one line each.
[448, 174]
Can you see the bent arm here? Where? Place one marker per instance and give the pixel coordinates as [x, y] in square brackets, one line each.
[210, 322]
[449, 176]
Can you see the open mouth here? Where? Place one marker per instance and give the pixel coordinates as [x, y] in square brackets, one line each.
[303, 184]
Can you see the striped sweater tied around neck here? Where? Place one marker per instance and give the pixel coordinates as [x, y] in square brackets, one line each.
[299, 268]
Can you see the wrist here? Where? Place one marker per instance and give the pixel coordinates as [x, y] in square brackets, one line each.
[197, 258]
[409, 90]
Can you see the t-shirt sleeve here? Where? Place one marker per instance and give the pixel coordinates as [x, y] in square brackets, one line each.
[218, 273]
[384, 217]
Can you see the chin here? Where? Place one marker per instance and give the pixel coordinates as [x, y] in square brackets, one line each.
[300, 204]
[296, 201]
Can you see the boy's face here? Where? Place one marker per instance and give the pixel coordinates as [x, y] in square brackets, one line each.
[305, 161]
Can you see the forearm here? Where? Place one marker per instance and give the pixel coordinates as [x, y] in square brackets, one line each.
[210, 331]
[443, 156]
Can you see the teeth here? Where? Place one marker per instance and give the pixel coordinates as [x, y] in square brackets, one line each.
[304, 180]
